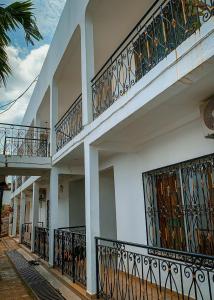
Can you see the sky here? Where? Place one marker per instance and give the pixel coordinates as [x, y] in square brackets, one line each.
[26, 61]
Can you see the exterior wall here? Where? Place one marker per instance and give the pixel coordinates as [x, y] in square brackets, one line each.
[108, 222]
[77, 203]
[63, 212]
[182, 144]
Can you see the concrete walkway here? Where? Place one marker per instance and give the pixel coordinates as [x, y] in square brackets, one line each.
[11, 286]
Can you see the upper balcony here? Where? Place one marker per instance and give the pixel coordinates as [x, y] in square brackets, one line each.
[23, 148]
[165, 26]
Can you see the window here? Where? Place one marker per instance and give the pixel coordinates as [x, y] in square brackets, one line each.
[179, 202]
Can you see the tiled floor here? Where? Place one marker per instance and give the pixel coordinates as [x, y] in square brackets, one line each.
[11, 286]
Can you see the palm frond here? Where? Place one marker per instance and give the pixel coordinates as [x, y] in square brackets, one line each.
[16, 15]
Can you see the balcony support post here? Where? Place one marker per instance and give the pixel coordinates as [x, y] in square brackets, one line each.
[87, 57]
[53, 211]
[15, 212]
[53, 115]
[35, 212]
[91, 212]
[22, 214]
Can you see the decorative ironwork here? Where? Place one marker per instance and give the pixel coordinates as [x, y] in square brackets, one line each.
[19, 181]
[21, 140]
[42, 242]
[162, 29]
[70, 252]
[127, 271]
[179, 205]
[26, 234]
[70, 124]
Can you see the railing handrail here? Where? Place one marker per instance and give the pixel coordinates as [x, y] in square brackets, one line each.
[27, 223]
[76, 101]
[172, 251]
[18, 125]
[21, 138]
[72, 227]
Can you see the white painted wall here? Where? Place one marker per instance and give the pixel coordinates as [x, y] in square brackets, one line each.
[179, 145]
[63, 208]
[77, 203]
[108, 224]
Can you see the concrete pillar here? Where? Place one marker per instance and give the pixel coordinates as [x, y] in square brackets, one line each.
[22, 214]
[35, 212]
[53, 115]
[91, 212]
[15, 211]
[53, 211]
[87, 66]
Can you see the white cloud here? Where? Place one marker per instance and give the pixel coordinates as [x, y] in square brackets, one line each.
[47, 13]
[23, 73]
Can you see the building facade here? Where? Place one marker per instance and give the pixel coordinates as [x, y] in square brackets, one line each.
[125, 204]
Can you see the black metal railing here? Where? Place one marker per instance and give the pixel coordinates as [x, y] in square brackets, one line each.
[70, 252]
[126, 271]
[20, 140]
[162, 29]
[19, 181]
[179, 206]
[26, 234]
[70, 124]
[41, 246]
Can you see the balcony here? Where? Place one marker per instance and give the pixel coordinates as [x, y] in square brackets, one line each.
[165, 26]
[20, 140]
[70, 124]
[127, 271]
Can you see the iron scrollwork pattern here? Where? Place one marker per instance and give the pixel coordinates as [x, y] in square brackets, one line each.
[70, 124]
[19, 140]
[42, 242]
[26, 234]
[164, 27]
[179, 204]
[127, 271]
[70, 252]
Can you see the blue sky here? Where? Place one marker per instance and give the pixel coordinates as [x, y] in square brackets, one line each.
[26, 61]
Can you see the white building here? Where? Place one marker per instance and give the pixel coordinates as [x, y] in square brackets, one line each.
[130, 110]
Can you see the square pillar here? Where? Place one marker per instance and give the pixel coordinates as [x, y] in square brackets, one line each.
[15, 211]
[53, 211]
[91, 212]
[53, 115]
[87, 67]
[22, 214]
[35, 212]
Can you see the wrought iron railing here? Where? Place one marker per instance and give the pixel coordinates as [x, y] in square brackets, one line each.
[19, 140]
[41, 246]
[26, 234]
[19, 181]
[70, 252]
[162, 29]
[127, 271]
[179, 206]
[70, 124]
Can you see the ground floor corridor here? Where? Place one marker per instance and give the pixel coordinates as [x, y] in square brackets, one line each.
[19, 279]
[11, 285]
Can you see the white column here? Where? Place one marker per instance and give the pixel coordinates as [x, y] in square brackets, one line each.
[22, 214]
[87, 67]
[53, 115]
[15, 211]
[35, 212]
[53, 211]
[91, 212]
